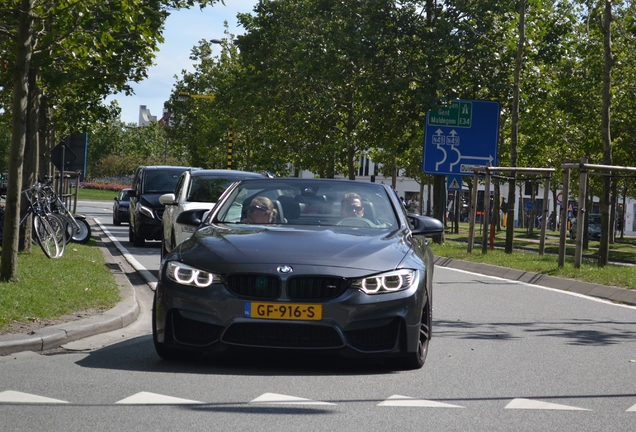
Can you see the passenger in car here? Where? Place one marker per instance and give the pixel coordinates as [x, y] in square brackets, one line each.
[351, 206]
[261, 211]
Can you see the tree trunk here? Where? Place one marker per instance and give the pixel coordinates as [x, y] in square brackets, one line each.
[8, 263]
[439, 204]
[514, 130]
[606, 94]
[31, 159]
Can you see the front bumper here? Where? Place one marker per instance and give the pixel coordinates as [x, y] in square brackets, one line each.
[354, 323]
[148, 228]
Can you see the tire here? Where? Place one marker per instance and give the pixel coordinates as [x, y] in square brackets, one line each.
[116, 221]
[164, 252]
[46, 237]
[415, 360]
[164, 352]
[60, 226]
[84, 234]
[138, 240]
[69, 226]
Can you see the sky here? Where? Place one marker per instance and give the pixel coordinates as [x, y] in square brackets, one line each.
[183, 30]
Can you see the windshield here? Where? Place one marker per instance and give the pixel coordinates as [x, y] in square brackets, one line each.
[309, 202]
[161, 182]
[207, 189]
[594, 219]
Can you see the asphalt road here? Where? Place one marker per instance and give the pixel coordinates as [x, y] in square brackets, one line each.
[504, 356]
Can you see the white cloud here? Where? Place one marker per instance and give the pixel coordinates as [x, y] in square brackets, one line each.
[183, 30]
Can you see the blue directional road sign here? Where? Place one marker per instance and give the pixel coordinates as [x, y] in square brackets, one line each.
[461, 137]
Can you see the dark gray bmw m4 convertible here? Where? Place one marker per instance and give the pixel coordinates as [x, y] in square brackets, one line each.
[300, 264]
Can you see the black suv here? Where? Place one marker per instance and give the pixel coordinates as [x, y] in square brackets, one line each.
[149, 183]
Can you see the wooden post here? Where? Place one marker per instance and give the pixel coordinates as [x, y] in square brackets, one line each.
[563, 217]
[580, 218]
[486, 233]
[473, 210]
[544, 218]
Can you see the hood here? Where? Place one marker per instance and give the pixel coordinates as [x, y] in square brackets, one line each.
[228, 247]
[151, 200]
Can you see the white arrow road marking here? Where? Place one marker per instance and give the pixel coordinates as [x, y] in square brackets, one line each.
[520, 403]
[147, 398]
[405, 401]
[19, 397]
[273, 398]
[633, 409]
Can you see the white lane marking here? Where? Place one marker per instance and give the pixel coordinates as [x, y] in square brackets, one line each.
[632, 409]
[405, 401]
[520, 403]
[583, 296]
[279, 399]
[145, 274]
[147, 398]
[19, 397]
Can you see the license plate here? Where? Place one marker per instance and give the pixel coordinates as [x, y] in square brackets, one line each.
[283, 311]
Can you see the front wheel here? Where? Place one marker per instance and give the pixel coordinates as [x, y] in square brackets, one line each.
[164, 352]
[415, 360]
[84, 234]
[46, 237]
[60, 226]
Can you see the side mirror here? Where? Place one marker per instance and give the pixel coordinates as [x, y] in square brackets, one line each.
[425, 225]
[191, 217]
[167, 199]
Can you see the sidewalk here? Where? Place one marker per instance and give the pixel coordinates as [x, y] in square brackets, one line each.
[127, 311]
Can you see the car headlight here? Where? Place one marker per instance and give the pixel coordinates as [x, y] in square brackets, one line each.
[146, 211]
[393, 281]
[185, 275]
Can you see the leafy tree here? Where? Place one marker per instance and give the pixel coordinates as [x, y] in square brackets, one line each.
[73, 54]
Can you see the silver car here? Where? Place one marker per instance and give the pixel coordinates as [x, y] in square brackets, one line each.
[195, 190]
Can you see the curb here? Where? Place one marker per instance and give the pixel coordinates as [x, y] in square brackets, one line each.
[120, 316]
[611, 293]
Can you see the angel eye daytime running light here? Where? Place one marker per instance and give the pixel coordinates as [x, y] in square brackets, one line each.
[186, 275]
[388, 282]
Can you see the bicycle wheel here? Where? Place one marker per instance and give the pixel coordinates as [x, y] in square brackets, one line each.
[69, 225]
[84, 234]
[59, 224]
[46, 236]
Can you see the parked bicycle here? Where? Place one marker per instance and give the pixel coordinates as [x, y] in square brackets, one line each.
[54, 226]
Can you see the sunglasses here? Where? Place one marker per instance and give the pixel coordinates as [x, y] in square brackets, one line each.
[253, 208]
[355, 208]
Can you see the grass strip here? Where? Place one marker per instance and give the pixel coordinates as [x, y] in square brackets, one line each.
[529, 260]
[50, 288]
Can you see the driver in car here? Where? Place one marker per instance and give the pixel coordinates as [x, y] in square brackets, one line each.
[351, 206]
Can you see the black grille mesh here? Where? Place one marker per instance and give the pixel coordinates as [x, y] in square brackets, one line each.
[282, 335]
[315, 288]
[258, 286]
[192, 332]
[376, 338]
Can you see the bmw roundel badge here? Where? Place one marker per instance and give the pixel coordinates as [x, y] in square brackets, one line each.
[285, 269]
